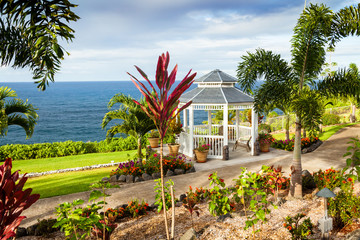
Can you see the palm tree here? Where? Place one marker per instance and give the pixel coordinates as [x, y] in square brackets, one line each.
[16, 112]
[134, 120]
[317, 27]
[30, 33]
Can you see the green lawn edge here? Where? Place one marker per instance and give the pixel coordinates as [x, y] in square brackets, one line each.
[83, 160]
[325, 135]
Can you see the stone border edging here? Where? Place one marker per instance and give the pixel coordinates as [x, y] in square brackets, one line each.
[38, 174]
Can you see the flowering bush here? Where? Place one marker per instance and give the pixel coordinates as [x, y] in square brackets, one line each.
[136, 209]
[288, 145]
[265, 138]
[152, 165]
[331, 179]
[131, 167]
[203, 147]
[297, 230]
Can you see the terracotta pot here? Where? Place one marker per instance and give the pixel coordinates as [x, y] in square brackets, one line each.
[174, 148]
[201, 156]
[264, 147]
[154, 142]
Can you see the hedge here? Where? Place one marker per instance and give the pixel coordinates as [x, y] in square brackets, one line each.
[60, 149]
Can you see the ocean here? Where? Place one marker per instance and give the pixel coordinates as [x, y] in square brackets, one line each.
[71, 110]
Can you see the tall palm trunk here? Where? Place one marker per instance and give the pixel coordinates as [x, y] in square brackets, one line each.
[353, 111]
[287, 127]
[139, 153]
[296, 169]
[162, 189]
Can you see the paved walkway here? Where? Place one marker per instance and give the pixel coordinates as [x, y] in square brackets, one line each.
[329, 154]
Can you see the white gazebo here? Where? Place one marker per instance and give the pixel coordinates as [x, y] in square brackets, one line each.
[216, 91]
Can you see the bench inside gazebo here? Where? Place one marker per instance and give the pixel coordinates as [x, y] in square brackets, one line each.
[216, 91]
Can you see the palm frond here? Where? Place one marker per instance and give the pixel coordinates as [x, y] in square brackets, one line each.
[6, 92]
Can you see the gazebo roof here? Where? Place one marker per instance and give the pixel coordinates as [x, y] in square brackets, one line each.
[216, 87]
[216, 76]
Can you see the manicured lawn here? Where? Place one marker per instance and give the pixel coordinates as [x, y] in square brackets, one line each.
[66, 183]
[48, 164]
[327, 132]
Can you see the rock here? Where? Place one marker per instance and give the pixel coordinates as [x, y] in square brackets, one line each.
[354, 235]
[169, 173]
[21, 232]
[129, 179]
[105, 179]
[189, 235]
[146, 177]
[192, 169]
[305, 173]
[138, 179]
[178, 204]
[179, 171]
[122, 178]
[113, 178]
[308, 180]
[223, 217]
[154, 206]
[31, 230]
[156, 175]
[182, 197]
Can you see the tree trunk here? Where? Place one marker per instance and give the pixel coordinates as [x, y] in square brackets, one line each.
[139, 151]
[353, 111]
[304, 133]
[296, 181]
[162, 189]
[287, 128]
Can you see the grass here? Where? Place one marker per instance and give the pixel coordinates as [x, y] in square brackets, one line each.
[48, 164]
[66, 183]
[326, 134]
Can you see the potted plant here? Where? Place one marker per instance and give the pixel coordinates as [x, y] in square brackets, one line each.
[175, 128]
[153, 138]
[201, 152]
[265, 140]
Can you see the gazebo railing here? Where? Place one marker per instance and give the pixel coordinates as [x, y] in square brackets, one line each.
[216, 144]
[215, 140]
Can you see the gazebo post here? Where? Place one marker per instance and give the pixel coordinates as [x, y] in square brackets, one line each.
[209, 122]
[191, 132]
[185, 118]
[237, 124]
[254, 130]
[225, 124]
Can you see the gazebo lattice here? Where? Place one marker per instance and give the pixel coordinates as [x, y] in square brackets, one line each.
[216, 91]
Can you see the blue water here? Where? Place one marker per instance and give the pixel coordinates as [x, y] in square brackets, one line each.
[71, 110]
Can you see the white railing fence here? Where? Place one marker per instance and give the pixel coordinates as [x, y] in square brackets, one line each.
[216, 144]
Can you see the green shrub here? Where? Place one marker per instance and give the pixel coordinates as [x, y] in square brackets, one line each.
[330, 119]
[265, 128]
[68, 148]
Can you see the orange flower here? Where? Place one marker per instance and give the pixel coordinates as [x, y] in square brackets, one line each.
[289, 227]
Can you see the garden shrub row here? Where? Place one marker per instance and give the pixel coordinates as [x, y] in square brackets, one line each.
[68, 148]
[330, 119]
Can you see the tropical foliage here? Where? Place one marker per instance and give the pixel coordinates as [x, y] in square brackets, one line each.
[30, 35]
[68, 148]
[13, 200]
[163, 105]
[133, 120]
[16, 112]
[292, 85]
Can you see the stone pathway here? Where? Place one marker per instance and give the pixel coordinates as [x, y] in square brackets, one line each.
[327, 155]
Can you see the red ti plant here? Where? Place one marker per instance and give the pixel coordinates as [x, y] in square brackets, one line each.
[13, 200]
[163, 105]
[190, 202]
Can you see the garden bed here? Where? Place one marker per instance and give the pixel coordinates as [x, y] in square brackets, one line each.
[133, 171]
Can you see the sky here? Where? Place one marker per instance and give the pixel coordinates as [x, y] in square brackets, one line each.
[112, 36]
